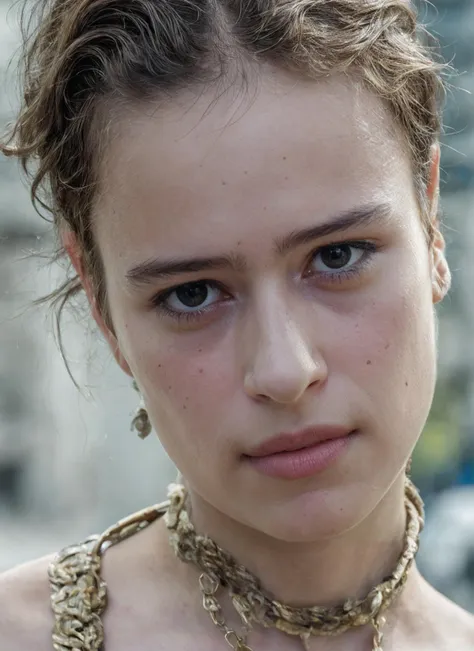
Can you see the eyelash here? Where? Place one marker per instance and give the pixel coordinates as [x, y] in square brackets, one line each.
[159, 300]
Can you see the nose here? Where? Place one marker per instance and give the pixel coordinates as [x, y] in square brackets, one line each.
[282, 364]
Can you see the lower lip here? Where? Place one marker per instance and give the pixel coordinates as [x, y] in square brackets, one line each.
[302, 463]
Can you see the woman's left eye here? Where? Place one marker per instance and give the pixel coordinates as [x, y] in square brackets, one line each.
[334, 259]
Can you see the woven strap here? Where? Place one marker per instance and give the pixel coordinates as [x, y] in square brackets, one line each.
[78, 592]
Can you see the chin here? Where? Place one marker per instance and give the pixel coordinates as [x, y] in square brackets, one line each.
[316, 515]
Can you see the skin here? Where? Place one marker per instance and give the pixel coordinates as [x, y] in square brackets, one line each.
[282, 346]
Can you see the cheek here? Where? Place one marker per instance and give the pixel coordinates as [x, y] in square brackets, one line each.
[390, 356]
[184, 387]
[393, 323]
[385, 332]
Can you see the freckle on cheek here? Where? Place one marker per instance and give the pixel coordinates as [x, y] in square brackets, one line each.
[201, 370]
[406, 384]
[387, 346]
[369, 362]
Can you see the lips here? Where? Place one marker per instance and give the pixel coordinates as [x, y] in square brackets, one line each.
[289, 442]
[301, 454]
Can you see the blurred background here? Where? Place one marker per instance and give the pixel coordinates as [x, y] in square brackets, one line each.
[69, 464]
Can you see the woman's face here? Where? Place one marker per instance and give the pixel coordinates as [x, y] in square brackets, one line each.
[267, 271]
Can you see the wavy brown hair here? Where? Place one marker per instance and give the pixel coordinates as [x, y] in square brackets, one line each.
[83, 59]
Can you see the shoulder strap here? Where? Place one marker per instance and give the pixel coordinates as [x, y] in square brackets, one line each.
[78, 593]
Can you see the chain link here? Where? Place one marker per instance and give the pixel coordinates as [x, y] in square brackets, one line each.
[209, 587]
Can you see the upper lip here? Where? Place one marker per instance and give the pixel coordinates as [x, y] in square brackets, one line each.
[289, 442]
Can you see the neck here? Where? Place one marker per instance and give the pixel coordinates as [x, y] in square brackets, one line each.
[321, 573]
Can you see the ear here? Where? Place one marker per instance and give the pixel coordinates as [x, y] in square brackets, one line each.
[441, 275]
[73, 250]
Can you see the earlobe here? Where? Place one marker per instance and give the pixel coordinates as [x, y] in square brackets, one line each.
[441, 285]
[117, 353]
[72, 248]
[441, 274]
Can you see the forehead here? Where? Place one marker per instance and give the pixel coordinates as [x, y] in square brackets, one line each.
[294, 149]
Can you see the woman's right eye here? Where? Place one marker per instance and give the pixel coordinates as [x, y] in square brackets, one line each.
[189, 300]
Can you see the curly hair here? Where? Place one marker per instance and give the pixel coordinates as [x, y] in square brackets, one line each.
[84, 57]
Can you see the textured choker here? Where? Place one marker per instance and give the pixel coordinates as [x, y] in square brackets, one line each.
[219, 569]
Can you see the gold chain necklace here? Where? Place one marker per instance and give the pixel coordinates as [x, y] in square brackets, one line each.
[255, 606]
[238, 642]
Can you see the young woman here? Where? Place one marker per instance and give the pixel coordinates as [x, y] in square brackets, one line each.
[248, 192]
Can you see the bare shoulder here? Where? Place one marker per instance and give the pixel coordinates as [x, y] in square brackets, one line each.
[25, 616]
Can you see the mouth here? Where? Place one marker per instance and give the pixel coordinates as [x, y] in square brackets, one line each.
[300, 454]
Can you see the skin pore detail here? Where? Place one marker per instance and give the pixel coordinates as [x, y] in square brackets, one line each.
[284, 337]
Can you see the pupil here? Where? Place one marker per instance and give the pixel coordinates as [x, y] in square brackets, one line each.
[192, 294]
[336, 256]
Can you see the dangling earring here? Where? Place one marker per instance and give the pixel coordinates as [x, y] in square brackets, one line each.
[140, 421]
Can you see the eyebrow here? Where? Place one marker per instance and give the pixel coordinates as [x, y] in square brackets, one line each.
[154, 269]
[145, 272]
[360, 216]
